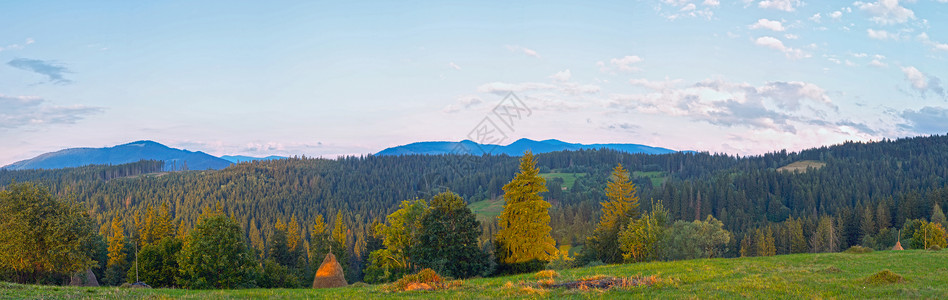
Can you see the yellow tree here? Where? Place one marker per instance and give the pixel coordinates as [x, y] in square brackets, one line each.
[523, 242]
[620, 209]
[116, 243]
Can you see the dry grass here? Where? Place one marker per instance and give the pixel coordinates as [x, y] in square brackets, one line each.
[424, 280]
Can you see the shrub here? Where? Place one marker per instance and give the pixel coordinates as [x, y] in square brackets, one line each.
[858, 250]
[884, 277]
[546, 274]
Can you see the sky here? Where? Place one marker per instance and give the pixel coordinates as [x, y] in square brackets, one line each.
[324, 79]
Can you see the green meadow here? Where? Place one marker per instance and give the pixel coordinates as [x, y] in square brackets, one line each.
[913, 274]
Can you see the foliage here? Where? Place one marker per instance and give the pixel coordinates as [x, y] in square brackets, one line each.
[215, 255]
[642, 240]
[447, 239]
[399, 234]
[523, 242]
[158, 264]
[42, 235]
[930, 234]
[825, 239]
[617, 213]
[698, 239]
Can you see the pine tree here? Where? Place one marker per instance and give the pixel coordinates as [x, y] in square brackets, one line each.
[617, 213]
[523, 243]
[868, 226]
[797, 241]
[116, 243]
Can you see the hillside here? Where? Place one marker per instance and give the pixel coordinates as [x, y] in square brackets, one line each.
[797, 276]
[175, 159]
[516, 148]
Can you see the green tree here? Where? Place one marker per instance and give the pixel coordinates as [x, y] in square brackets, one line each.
[523, 243]
[938, 216]
[929, 235]
[158, 263]
[698, 239]
[279, 250]
[797, 241]
[641, 240]
[825, 238]
[447, 240]
[764, 242]
[399, 235]
[43, 235]
[215, 255]
[617, 212]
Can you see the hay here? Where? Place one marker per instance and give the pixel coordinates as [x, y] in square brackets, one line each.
[898, 246]
[87, 279]
[329, 274]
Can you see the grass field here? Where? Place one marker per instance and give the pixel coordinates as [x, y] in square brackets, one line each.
[798, 276]
[487, 209]
[657, 177]
[801, 166]
[568, 178]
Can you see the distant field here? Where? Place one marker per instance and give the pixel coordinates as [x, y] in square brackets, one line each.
[797, 276]
[657, 177]
[568, 178]
[801, 166]
[487, 209]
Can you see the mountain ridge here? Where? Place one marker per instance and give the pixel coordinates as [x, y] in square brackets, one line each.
[175, 159]
[515, 148]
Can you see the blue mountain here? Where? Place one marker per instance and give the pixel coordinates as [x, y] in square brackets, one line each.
[123, 154]
[240, 158]
[516, 148]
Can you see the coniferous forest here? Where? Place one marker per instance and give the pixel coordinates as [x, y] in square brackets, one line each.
[387, 216]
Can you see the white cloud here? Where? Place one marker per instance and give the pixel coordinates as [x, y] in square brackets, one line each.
[562, 76]
[923, 37]
[464, 102]
[791, 36]
[882, 34]
[784, 5]
[886, 12]
[836, 15]
[25, 111]
[780, 106]
[716, 2]
[626, 63]
[17, 46]
[685, 8]
[768, 24]
[776, 44]
[878, 63]
[454, 66]
[529, 52]
[923, 83]
[816, 18]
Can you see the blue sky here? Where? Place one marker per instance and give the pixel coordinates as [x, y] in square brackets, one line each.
[330, 78]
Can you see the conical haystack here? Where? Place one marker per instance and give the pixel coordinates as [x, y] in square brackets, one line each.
[898, 246]
[84, 279]
[329, 274]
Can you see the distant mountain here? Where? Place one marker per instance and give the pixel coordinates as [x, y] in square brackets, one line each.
[240, 158]
[514, 149]
[175, 159]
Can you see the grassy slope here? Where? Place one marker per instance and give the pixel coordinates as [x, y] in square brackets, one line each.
[788, 276]
[801, 166]
[568, 178]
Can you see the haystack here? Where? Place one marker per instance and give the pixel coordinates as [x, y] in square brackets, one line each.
[898, 246]
[87, 279]
[329, 274]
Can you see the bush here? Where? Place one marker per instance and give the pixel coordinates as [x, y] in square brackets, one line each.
[858, 250]
[884, 277]
[546, 274]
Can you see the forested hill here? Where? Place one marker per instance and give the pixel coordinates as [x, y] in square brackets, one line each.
[894, 180]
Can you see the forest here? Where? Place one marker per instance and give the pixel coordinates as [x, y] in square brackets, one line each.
[380, 214]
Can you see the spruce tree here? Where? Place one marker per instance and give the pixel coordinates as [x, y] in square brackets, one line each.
[620, 209]
[524, 243]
